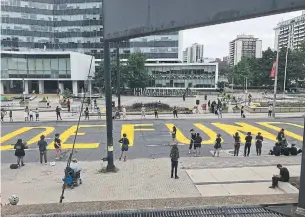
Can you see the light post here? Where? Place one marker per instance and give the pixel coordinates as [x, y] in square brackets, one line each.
[275, 82]
[90, 89]
[23, 91]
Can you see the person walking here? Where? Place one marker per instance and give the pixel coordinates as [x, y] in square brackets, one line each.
[99, 114]
[3, 113]
[11, 116]
[174, 133]
[57, 146]
[270, 111]
[242, 112]
[236, 138]
[259, 143]
[175, 112]
[57, 110]
[19, 152]
[37, 114]
[217, 145]
[87, 113]
[174, 155]
[95, 103]
[248, 140]
[31, 115]
[125, 145]
[198, 140]
[124, 112]
[156, 113]
[42, 145]
[219, 111]
[142, 112]
[68, 105]
[192, 143]
[26, 116]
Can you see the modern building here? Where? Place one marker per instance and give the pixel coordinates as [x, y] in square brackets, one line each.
[184, 56]
[45, 72]
[244, 46]
[194, 54]
[71, 25]
[290, 33]
[181, 75]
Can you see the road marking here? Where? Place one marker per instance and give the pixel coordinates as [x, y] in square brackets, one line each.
[129, 130]
[179, 135]
[208, 132]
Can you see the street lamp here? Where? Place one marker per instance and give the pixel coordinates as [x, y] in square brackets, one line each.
[90, 88]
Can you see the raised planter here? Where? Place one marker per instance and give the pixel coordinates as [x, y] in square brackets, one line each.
[42, 104]
[24, 103]
[277, 109]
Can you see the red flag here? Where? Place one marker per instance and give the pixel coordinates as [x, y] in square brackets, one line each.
[273, 70]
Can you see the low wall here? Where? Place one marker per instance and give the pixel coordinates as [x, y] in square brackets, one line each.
[277, 109]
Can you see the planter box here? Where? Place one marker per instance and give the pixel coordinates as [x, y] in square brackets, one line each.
[24, 103]
[42, 104]
[277, 109]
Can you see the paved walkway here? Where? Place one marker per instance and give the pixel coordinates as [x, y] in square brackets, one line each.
[142, 179]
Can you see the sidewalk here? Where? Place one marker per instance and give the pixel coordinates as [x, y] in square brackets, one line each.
[18, 116]
[149, 179]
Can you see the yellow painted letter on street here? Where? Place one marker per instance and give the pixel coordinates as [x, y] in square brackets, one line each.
[16, 133]
[179, 135]
[287, 133]
[129, 130]
[71, 132]
[243, 128]
[208, 132]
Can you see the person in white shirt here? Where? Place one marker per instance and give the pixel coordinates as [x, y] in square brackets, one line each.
[269, 110]
[26, 116]
[31, 115]
[74, 165]
[124, 112]
[142, 112]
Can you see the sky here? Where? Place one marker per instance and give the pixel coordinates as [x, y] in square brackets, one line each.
[216, 38]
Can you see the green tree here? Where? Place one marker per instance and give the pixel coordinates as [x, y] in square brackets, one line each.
[137, 74]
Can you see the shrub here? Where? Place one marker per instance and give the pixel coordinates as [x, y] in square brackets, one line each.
[152, 105]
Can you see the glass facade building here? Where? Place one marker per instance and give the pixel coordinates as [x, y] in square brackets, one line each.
[71, 25]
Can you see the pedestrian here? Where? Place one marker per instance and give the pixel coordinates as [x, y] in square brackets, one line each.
[57, 146]
[99, 114]
[26, 109]
[217, 145]
[236, 138]
[259, 143]
[57, 110]
[42, 144]
[3, 113]
[125, 144]
[95, 103]
[242, 112]
[87, 113]
[219, 111]
[124, 112]
[248, 140]
[209, 103]
[174, 155]
[283, 176]
[26, 116]
[68, 105]
[11, 116]
[156, 113]
[281, 138]
[31, 115]
[269, 110]
[175, 112]
[174, 133]
[37, 114]
[19, 152]
[192, 143]
[198, 140]
[142, 112]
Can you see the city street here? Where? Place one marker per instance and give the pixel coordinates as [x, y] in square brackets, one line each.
[148, 138]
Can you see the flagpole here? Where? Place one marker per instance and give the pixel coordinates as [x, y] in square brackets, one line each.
[275, 83]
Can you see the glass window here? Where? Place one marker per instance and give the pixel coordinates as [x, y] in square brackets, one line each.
[62, 64]
[12, 63]
[39, 64]
[54, 64]
[47, 64]
[68, 64]
[31, 65]
[4, 65]
[22, 64]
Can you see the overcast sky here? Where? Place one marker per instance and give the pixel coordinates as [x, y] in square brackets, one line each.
[216, 38]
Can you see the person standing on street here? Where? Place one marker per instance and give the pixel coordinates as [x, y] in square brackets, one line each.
[31, 115]
[11, 116]
[259, 143]
[125, 145]
[99, 114]
[37, 114]
[242, 112]
[217, 145]
[270, 111]
[248, 140]
[3, 113]
[236, 138]
[57, 146]
[156, 113]
[174, 133]
[142, 112]
[68, 105]
[87, 113]
[192, 143]
[42, 144]
[174, 155]
[175, 112]
[124, 112]
[57, 110]
[19, 152]
[26, 116]
[198, 141]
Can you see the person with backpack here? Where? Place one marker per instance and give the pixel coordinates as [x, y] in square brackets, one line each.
[174, 155]
[57, 146]
[192, 143]
[57, 110]
[42, 145]
[31, 115]
[37, 114]
[259, 143]
[217, 145]
[248, 140]
[19, 152]
[125, 144]
[236, 138]
[198, 140]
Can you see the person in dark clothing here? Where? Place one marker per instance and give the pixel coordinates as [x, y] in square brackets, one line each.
[19, 151]
[259, 143]
[248, 140]
[42, 144]
[209, 103]
[11, 116]
[236, 138]
[283, 177]
[277, 150]
[174, 132]
[183, 97]
[95, 103]
[294, 151]
[242, 112]
[192, 143]
[57, 110]
[156, 113]
[285, 151]
[174, 155]
[68, 105]
[217, 145]
[87, 113]
[125, 144]
[175, 112]
[281, 138]
[197, 144]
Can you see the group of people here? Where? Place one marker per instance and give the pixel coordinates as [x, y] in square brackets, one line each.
[3, 113]
[29, 114]
[248, 142]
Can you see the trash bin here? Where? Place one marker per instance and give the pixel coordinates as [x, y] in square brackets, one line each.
[197, 102]
[204, 106]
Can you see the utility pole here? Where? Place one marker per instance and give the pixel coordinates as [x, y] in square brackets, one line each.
[118, 74]
[108, 95]
[275, 82]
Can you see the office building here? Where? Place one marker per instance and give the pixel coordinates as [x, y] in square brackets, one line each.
[244, 46]
[290, 33]
[194, 53]
[45, 72]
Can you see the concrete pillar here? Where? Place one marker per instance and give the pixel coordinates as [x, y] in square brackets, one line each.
[61, 87]
[75, 88]
[1, 87]
[26, 87]
[41, 87]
